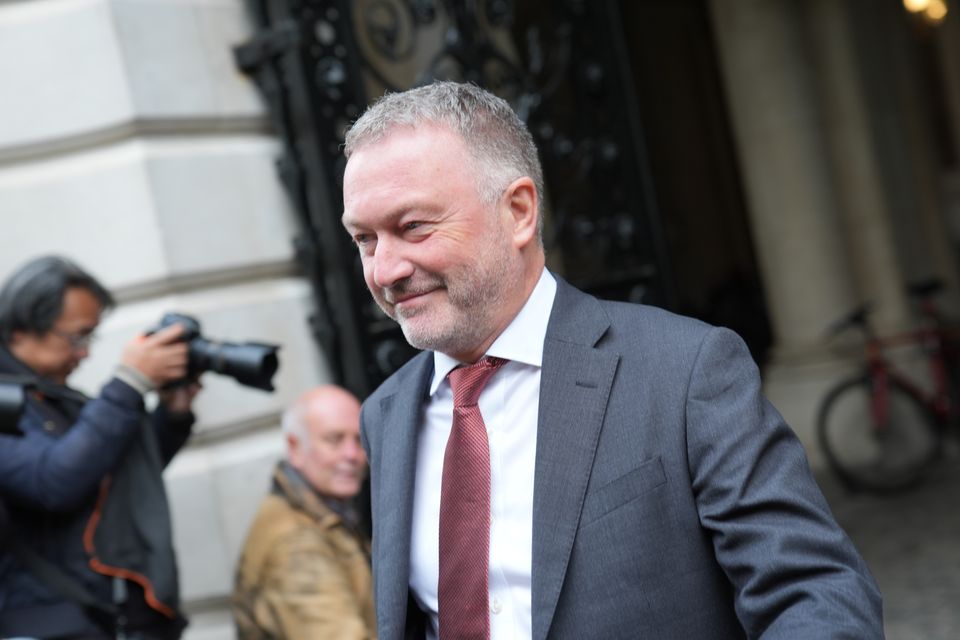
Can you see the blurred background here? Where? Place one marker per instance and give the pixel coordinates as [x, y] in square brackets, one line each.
[767, 165]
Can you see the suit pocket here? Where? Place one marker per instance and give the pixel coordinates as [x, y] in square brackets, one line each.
[625, 489]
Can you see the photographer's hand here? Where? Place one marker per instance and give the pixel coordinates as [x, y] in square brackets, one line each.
[179, 399]
[161, 357]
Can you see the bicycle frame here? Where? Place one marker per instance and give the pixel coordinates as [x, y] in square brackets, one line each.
[883, 373]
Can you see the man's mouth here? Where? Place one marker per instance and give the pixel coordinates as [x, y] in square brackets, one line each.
[406, 297]
[350, 475]
[399, 299]
[403, 296]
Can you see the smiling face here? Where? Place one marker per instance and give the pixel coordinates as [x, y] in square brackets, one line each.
[327, 450]
[451, 269]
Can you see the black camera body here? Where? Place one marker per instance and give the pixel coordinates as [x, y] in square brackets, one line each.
[252, 363]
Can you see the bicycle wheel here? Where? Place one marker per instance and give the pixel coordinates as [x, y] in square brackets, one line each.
[876, 457]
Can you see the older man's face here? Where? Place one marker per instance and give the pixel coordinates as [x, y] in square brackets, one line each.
[332, 458]
[435, 257]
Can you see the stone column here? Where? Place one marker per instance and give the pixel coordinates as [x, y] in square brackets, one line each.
[795, 215]
[913, 174]
[863, 205]
[779, 134]
[948, 46]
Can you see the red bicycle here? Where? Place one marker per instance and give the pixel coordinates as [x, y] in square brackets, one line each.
[880, 429]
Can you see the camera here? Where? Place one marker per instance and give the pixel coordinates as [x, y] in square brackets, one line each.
[251, 363]
[11, 405]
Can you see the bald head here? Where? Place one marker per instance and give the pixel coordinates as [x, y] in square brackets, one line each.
[322, 431]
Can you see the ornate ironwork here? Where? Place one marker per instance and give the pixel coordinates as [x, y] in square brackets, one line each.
[563, 66]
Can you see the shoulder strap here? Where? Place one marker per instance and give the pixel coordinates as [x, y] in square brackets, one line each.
[54, 577]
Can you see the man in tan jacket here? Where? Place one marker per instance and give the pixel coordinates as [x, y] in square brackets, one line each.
[305, 571]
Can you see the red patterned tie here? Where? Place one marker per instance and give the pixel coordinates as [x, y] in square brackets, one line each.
[465, 510]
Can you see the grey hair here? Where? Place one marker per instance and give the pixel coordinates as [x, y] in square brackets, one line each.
[31, 299]
[496, 138]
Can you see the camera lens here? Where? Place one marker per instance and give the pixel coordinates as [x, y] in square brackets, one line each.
[251, 364]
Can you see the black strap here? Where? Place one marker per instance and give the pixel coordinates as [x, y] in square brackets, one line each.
[65, 585]
[62, 619]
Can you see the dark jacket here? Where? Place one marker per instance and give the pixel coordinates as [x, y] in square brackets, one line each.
[84, 492]
[670, 501]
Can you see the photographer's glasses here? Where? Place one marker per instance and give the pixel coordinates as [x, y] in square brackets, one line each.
[76, 341]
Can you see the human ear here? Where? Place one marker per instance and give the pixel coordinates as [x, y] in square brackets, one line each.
[520, 199]
[293, 451]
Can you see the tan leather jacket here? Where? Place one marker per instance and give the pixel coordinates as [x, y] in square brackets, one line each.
[303, 573]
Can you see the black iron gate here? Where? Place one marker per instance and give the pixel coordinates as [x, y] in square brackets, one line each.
[562, 64]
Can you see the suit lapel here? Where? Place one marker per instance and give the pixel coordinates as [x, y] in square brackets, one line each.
[575, 386]
[401, 415]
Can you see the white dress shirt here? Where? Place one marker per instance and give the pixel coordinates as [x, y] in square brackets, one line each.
[509, 405]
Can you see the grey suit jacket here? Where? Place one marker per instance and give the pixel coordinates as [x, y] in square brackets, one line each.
[670, 498]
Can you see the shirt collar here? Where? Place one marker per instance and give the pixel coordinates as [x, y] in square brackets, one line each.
[521, 341]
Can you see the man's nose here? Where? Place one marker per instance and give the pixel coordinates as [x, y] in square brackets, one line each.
[353, 451]
[390, 264]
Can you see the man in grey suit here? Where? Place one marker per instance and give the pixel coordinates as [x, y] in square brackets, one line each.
[623, 476]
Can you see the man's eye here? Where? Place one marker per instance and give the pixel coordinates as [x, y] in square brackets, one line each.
[410, 226]
[361, 239]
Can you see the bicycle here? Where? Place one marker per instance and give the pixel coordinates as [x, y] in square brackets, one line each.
[880, 429]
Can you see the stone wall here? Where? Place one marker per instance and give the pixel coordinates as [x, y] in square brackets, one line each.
[130, 143]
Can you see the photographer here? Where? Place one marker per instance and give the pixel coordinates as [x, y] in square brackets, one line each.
[87, 552]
